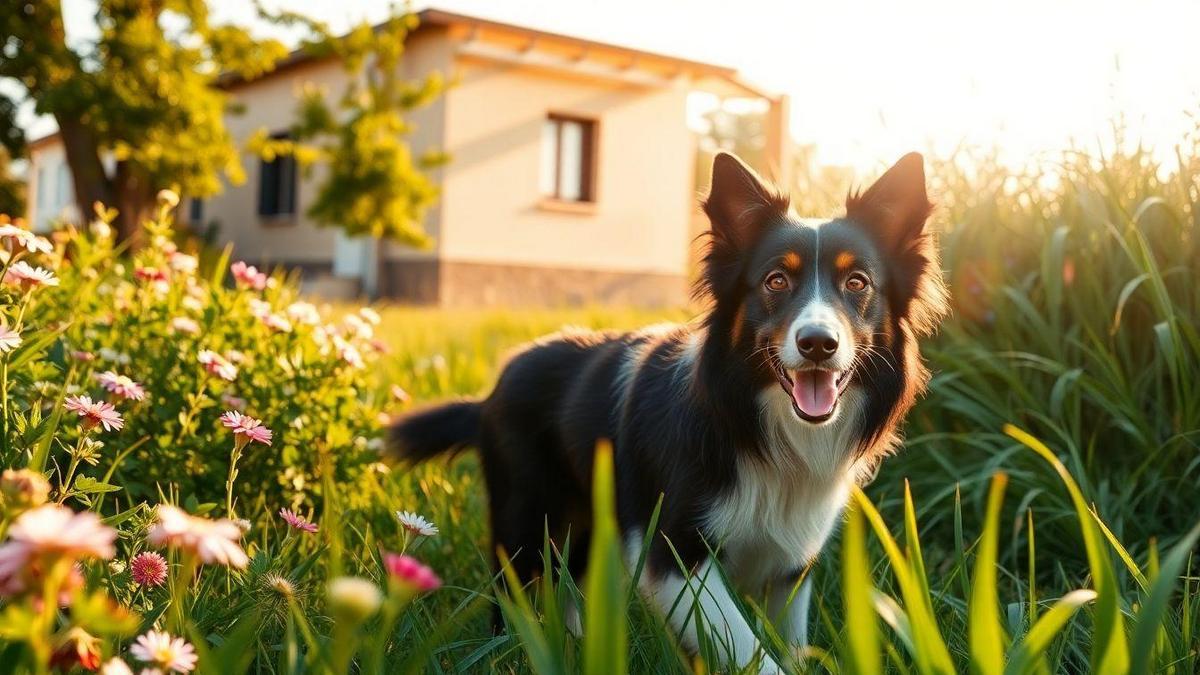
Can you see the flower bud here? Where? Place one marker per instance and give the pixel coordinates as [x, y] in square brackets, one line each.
[77, 647]
[23, 489]
[168, 198]
[354, 599]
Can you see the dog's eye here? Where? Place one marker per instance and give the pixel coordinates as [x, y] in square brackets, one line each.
[857, 282]
[776, 281]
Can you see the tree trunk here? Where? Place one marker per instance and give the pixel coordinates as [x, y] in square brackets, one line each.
[135, 202]
[87, 171]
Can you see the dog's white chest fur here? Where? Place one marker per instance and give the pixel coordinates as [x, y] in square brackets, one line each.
[782, 509]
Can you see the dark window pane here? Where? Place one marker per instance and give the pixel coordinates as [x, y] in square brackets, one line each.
[277, 185]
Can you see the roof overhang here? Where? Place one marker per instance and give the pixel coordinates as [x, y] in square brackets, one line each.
[485, 39]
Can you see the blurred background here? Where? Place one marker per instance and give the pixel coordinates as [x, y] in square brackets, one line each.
[490, 171]
[551, 153]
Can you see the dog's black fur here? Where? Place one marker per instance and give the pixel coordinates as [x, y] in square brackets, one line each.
[682, 404]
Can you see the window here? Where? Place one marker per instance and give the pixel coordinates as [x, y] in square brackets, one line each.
[277, 185]
[568, 159]
[195, 210]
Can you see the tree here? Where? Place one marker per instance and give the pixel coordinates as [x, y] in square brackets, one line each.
[146, 90]
[12, 145]
[375, 186]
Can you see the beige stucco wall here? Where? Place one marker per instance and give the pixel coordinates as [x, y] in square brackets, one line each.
[492, 210]
[50, 193]
[271, 103]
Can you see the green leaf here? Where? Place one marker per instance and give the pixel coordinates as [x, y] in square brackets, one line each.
[930, 650]
[1027, 653]
[987, 637]
[605, 627]
[1154, 609]
[1110, 649]
[90, 486]
[861, 626]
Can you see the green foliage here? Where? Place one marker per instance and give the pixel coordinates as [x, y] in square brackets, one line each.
[12, 189]
[374, 183]
[145, 89]
[150, 318]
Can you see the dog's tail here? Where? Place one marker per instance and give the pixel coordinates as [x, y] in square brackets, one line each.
[425, 434]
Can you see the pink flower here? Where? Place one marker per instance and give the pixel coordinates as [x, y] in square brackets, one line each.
[183, 324]
[94, 413]
[410, 572]
[246, 426]
[296, 521]
[183, 263]
[148, 569]
[151, 274]
[26, 276]
[348, 352]
[304, 312]
[259, 308]
[217, 365]
[213, 541]
[9, 338]
[80, 355]
[47, 533]
[235, 402]
[277, 322]
[121, 386]
[248, 276]
[166, 652]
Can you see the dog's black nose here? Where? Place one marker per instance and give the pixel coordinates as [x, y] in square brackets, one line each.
[816, 343]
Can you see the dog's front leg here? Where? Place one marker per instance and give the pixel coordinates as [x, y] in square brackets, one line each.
[680, 597]
[791, 610]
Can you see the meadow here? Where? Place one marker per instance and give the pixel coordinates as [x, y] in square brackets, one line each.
[1040, 518]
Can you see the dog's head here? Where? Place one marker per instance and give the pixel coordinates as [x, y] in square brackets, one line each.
[819, 306]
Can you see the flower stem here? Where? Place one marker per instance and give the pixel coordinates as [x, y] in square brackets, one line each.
[179, 585]
[234, 456]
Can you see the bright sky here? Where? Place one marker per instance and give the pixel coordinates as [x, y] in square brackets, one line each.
[871, 80]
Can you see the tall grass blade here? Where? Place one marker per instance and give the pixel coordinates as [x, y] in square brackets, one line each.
[520, 615]
[1110, 648]
[861, 626]
[986, 632]
[1154, 609]
[930, 652]
[1027, 653]
[605, 629]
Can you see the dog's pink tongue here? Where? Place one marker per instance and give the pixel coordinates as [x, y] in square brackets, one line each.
[814, 391]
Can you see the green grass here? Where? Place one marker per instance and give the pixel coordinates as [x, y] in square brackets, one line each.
[1041, 517]
[1076, 308]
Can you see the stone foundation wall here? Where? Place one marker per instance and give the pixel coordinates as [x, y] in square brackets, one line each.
[459, 284]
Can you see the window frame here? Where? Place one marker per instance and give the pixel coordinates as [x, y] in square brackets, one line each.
[589, 164]
[279, 217]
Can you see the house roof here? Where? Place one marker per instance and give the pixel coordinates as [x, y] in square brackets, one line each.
[430, 18]
[724, 77]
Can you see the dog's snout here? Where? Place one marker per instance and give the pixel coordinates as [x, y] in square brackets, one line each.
[817, 342]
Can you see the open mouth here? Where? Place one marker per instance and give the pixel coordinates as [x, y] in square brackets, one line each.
[814, 391]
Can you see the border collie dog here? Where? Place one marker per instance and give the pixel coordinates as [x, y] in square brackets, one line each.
[752, 424]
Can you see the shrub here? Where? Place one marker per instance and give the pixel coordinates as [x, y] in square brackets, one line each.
[173, 349]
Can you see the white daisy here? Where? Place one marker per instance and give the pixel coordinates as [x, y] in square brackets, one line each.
[9, 338]
[416, 524]
[170, 653]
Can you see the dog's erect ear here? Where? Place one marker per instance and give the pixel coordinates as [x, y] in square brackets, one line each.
[739, 202]
[894, 210]
[896, 206]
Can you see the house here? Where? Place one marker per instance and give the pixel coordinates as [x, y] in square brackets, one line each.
[571, 178]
